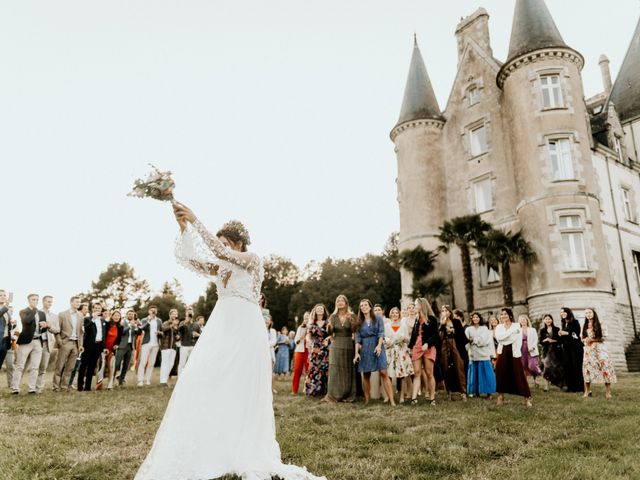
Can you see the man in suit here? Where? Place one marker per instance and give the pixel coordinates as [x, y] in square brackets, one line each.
[189, 333]
[70, 344]
[151, 327]
[170, 337]
[127, 346]
[5, 326]
[48, 340]
[93, 343]
[29, 330]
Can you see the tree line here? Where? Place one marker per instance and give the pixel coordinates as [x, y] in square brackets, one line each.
[290, 290]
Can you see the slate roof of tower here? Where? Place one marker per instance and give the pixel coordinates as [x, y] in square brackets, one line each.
[533, 29]
[625, 93]
[419, 98]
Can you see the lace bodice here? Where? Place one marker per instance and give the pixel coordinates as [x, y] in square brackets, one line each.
[236, 274]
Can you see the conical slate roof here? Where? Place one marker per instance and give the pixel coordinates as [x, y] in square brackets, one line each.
[625, 93]
[533, 29]
[419, 99]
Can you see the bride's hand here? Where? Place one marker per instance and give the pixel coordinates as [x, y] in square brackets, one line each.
[183, 215]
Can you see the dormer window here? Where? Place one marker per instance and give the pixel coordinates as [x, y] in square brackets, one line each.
[551, 91]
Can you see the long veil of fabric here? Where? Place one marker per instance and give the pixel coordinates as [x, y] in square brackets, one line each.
[220, 419]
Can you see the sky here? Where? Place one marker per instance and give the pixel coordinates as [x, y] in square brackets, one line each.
[276, 113]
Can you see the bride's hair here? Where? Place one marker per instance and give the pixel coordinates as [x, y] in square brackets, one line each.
[235, 231]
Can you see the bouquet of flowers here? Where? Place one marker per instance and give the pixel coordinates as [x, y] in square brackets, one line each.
[158, 185]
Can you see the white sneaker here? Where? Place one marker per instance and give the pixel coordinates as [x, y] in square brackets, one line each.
[139, 384]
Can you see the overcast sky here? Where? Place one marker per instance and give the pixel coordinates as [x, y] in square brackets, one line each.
[273, 112]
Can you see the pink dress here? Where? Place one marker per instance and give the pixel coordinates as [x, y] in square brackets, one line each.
[417, 353]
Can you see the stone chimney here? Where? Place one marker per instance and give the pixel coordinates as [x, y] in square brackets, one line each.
[603, 61]
[474, 27]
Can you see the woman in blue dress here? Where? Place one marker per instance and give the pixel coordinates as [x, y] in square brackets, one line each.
[283, 344]
[370, 353]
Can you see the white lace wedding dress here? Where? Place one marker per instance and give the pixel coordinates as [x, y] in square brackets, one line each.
[220, 417]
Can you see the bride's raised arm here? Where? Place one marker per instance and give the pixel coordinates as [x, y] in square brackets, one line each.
[215, 247]
[246, 260]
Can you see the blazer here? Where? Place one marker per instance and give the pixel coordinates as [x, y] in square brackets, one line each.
[4, 320]
[511, 336]
[124, 339]
[170, 335]
[27, 328]
[90, 331]
[186, 333]
[145, 327]
[429, 332]
[532, 341]
[53, 329]
[66, 327]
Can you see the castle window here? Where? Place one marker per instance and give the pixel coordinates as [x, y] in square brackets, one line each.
[636, 266]
[628, 205]
[618, 146]
[478, 140]
[483, 195]
[473, 95]
[551, 91]
[561, 161]
[489, 275]
[572, 232]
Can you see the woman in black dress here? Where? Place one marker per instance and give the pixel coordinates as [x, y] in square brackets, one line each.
[572, 351]
[550, 340]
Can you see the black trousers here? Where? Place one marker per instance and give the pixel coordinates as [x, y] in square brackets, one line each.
[5, 345]
[88, 366]
[123, 359]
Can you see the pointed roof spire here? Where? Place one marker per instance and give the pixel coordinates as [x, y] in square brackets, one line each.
[533, 29]
[625, 93]
[419, 98]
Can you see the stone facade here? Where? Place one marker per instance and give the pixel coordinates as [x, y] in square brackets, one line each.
[518, 143]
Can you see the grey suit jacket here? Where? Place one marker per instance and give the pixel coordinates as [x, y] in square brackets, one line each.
[146, 328]
[4, 319]
[66, 327]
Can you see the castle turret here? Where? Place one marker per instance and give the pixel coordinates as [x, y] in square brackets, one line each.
[625, 93]
[558, 204]
[417, 137]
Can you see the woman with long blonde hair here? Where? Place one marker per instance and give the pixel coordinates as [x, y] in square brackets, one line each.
[423, 344]
[342, 373]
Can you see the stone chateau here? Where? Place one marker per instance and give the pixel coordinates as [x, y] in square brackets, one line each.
[518, 143]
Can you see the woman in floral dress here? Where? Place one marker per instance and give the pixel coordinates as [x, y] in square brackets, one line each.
[396, 340]
[597, 367]
[318, 332]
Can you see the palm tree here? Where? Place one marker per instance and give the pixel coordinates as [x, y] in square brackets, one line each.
[464, 232]
[504, 248]
[419, 262]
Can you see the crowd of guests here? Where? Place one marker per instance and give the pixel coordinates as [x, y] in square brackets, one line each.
[343, 354]
[413, 352]
[88, 341]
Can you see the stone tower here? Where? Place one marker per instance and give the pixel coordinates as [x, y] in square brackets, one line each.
[418, 145]
[554, 174]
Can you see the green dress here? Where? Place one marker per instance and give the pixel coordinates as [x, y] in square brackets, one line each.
[342, 371]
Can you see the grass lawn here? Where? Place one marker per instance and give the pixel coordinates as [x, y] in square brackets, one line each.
[106, 435]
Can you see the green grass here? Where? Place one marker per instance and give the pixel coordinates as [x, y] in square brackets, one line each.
[106, 435]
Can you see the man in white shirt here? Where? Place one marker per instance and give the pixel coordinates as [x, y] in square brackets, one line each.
[48, 340]
[70, 340]
[151, 327]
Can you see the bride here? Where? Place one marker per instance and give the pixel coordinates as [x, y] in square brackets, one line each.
[207, 432]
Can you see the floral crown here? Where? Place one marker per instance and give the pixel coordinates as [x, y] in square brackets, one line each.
[237, 227]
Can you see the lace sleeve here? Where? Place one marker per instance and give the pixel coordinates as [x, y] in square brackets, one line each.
[192, 253]
[248, 261]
